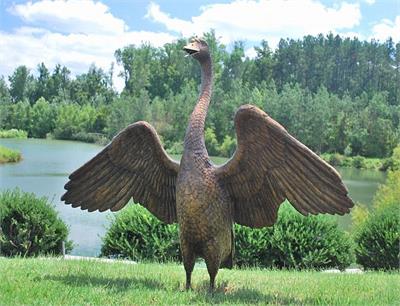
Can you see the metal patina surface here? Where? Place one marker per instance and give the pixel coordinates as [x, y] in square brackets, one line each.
[269, 166]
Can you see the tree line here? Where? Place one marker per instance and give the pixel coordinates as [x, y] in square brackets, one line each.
[334, 94]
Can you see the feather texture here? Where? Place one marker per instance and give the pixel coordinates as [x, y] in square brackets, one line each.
[269, 166]
[134, 165]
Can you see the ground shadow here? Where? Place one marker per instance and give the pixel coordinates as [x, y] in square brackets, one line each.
[228, 294]
[117, 284]
[224, 292]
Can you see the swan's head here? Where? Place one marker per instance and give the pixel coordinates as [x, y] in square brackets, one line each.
[198, 49]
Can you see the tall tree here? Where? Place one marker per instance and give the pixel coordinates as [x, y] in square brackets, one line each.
[5, 96]
[42, 83]
[59, 83]
[20, 81]
[136, 67]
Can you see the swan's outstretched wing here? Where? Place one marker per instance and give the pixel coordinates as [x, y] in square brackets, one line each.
[134, 165]
[269, 166]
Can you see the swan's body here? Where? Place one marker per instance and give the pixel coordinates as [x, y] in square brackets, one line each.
[268, 166]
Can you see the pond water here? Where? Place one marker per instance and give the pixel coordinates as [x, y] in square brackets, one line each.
[46, 165]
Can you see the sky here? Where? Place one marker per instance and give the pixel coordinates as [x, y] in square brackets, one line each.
[78, 33]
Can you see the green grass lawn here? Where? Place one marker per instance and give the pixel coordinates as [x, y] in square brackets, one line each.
[66, 282]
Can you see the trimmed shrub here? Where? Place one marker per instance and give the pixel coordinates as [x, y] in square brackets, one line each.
[378, 237]
[29, 226]
[295, 241]
[359, 214]
[136, 234]
[378, 240]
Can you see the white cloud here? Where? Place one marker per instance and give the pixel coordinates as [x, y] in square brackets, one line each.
[31, 46]
[71, 16]
[250, 52]
[265, 19]
[387, 28]
[370, 2]
[351, 35]
[172, 24]
[72, 40]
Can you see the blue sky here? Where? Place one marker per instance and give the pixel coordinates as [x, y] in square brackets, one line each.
[77, 33]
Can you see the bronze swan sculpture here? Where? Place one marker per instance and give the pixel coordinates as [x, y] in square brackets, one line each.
[269, 166]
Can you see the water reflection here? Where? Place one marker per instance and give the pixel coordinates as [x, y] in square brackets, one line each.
[47, 163]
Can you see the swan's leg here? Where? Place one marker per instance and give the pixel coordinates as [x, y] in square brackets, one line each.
[213, 262]
[188, 263]
[212, 267]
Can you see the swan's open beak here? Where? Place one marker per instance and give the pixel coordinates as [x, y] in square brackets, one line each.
[191, 49]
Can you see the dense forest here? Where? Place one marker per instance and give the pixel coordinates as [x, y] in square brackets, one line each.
[334, 94]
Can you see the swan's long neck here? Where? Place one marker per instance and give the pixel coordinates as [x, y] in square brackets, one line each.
[194, 138]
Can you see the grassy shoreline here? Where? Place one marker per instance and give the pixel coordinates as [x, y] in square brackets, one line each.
[9, 155]
[358, 162]
[13, 133]
[56, 281]
[335, 159]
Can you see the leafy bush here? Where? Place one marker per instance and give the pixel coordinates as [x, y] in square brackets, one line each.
[74, 121]
[13, 133]
[295, 241]
[98, 138]
[378, 240]
[393, 162]
[228, 146]
[359, 214]
[174, 148]
[137, 235]
[359, 162]
[347, 162]
[16, 116]
[9, 156]
[43, 115]
[211, 142]
[348, 150]
[333, 159]
[387, 164]
[378, 237]
[29, 226]
[389, 193]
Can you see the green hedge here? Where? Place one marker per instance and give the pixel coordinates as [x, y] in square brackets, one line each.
[294, 242]
[378, 236]
[135, 234]
[29, 226]
[378, 241]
